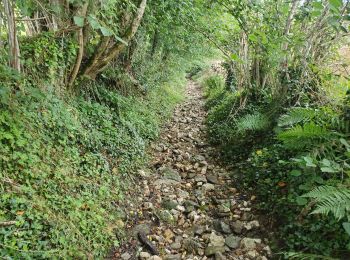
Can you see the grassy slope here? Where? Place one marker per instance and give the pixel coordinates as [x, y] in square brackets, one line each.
[64, 164]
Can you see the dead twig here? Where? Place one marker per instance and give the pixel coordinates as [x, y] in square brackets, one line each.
[7, 223]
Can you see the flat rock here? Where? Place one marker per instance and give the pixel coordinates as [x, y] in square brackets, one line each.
[221, 227]
[144, 228]
[145, 255]
[125, 256]
[170, 174]
[208, 187]
[215, 240]
[198, 229]
[173, 257]
[166, 216]
[175, 245]
[155, 257]
[213, 179]
[249, 243]
[232, 241]
[169, 204]
[220, 256]
[191, 245]
[212, 250]
[237, 226]
[200, 178]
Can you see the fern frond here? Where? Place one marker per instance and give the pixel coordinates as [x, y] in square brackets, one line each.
[302, 136]
[303, 256]
[252, 122]
[331, 199]
[297, 115]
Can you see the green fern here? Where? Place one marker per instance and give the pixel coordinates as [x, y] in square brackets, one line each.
[252, 122]
[303, 136]
[297, 115]
[303, 256]
[331, 199]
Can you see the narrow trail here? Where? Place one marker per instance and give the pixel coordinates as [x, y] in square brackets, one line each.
[188, 205]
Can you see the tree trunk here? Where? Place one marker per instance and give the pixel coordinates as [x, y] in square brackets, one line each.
[154, 42]
[102, 58]
[292, 11]
[14, 60]
[79, 58]
[129, 57]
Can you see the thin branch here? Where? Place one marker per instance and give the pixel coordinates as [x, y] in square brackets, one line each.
[206, 35]
[7, 223]
[30, 19]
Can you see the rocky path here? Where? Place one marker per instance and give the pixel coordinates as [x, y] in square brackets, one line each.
[188, 207]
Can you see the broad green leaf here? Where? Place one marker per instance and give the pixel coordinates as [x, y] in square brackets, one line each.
[301, 201]
[326, 162]
[317, 5]
[253, 38]
[335, 3]
[295, 173]
[105, 31]
[344, 142]
[328, 169]
[346, 226]
[234, 56]
[79, 21]
[309, 161]
[94, 23]
[316, 13]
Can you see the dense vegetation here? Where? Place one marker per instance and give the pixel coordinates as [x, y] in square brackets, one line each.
[284, 100]
[85, 86]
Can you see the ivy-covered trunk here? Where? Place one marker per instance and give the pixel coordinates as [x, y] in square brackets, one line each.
[14, 52]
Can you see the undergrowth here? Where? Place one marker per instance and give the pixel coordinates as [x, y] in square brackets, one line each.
[65, 163]
[296, 161]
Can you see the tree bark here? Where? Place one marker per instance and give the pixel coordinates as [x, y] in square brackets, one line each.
[292, 11]
[14, 52]
[80, 54]
[154, 42]
[129, 57]
[103, 57]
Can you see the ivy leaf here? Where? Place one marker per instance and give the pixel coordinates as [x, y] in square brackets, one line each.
[317, 5]
[328, 169]
[346, 226]
[79, 21]
[105, 31]
[309, 161]
[301, 201]
[344, 142]
[94, 22]
[335, 3]
[234, 57]
[295, 173]
[253, 38]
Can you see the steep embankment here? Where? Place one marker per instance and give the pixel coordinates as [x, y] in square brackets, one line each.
[187, 206]
[65, 163]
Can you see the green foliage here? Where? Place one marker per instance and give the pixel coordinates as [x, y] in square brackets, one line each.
[331, 200]
[300, 137]
[66, 164]
[308, 149]
[252, 122]
[46, 57]
[296, 115]
[302, 256]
